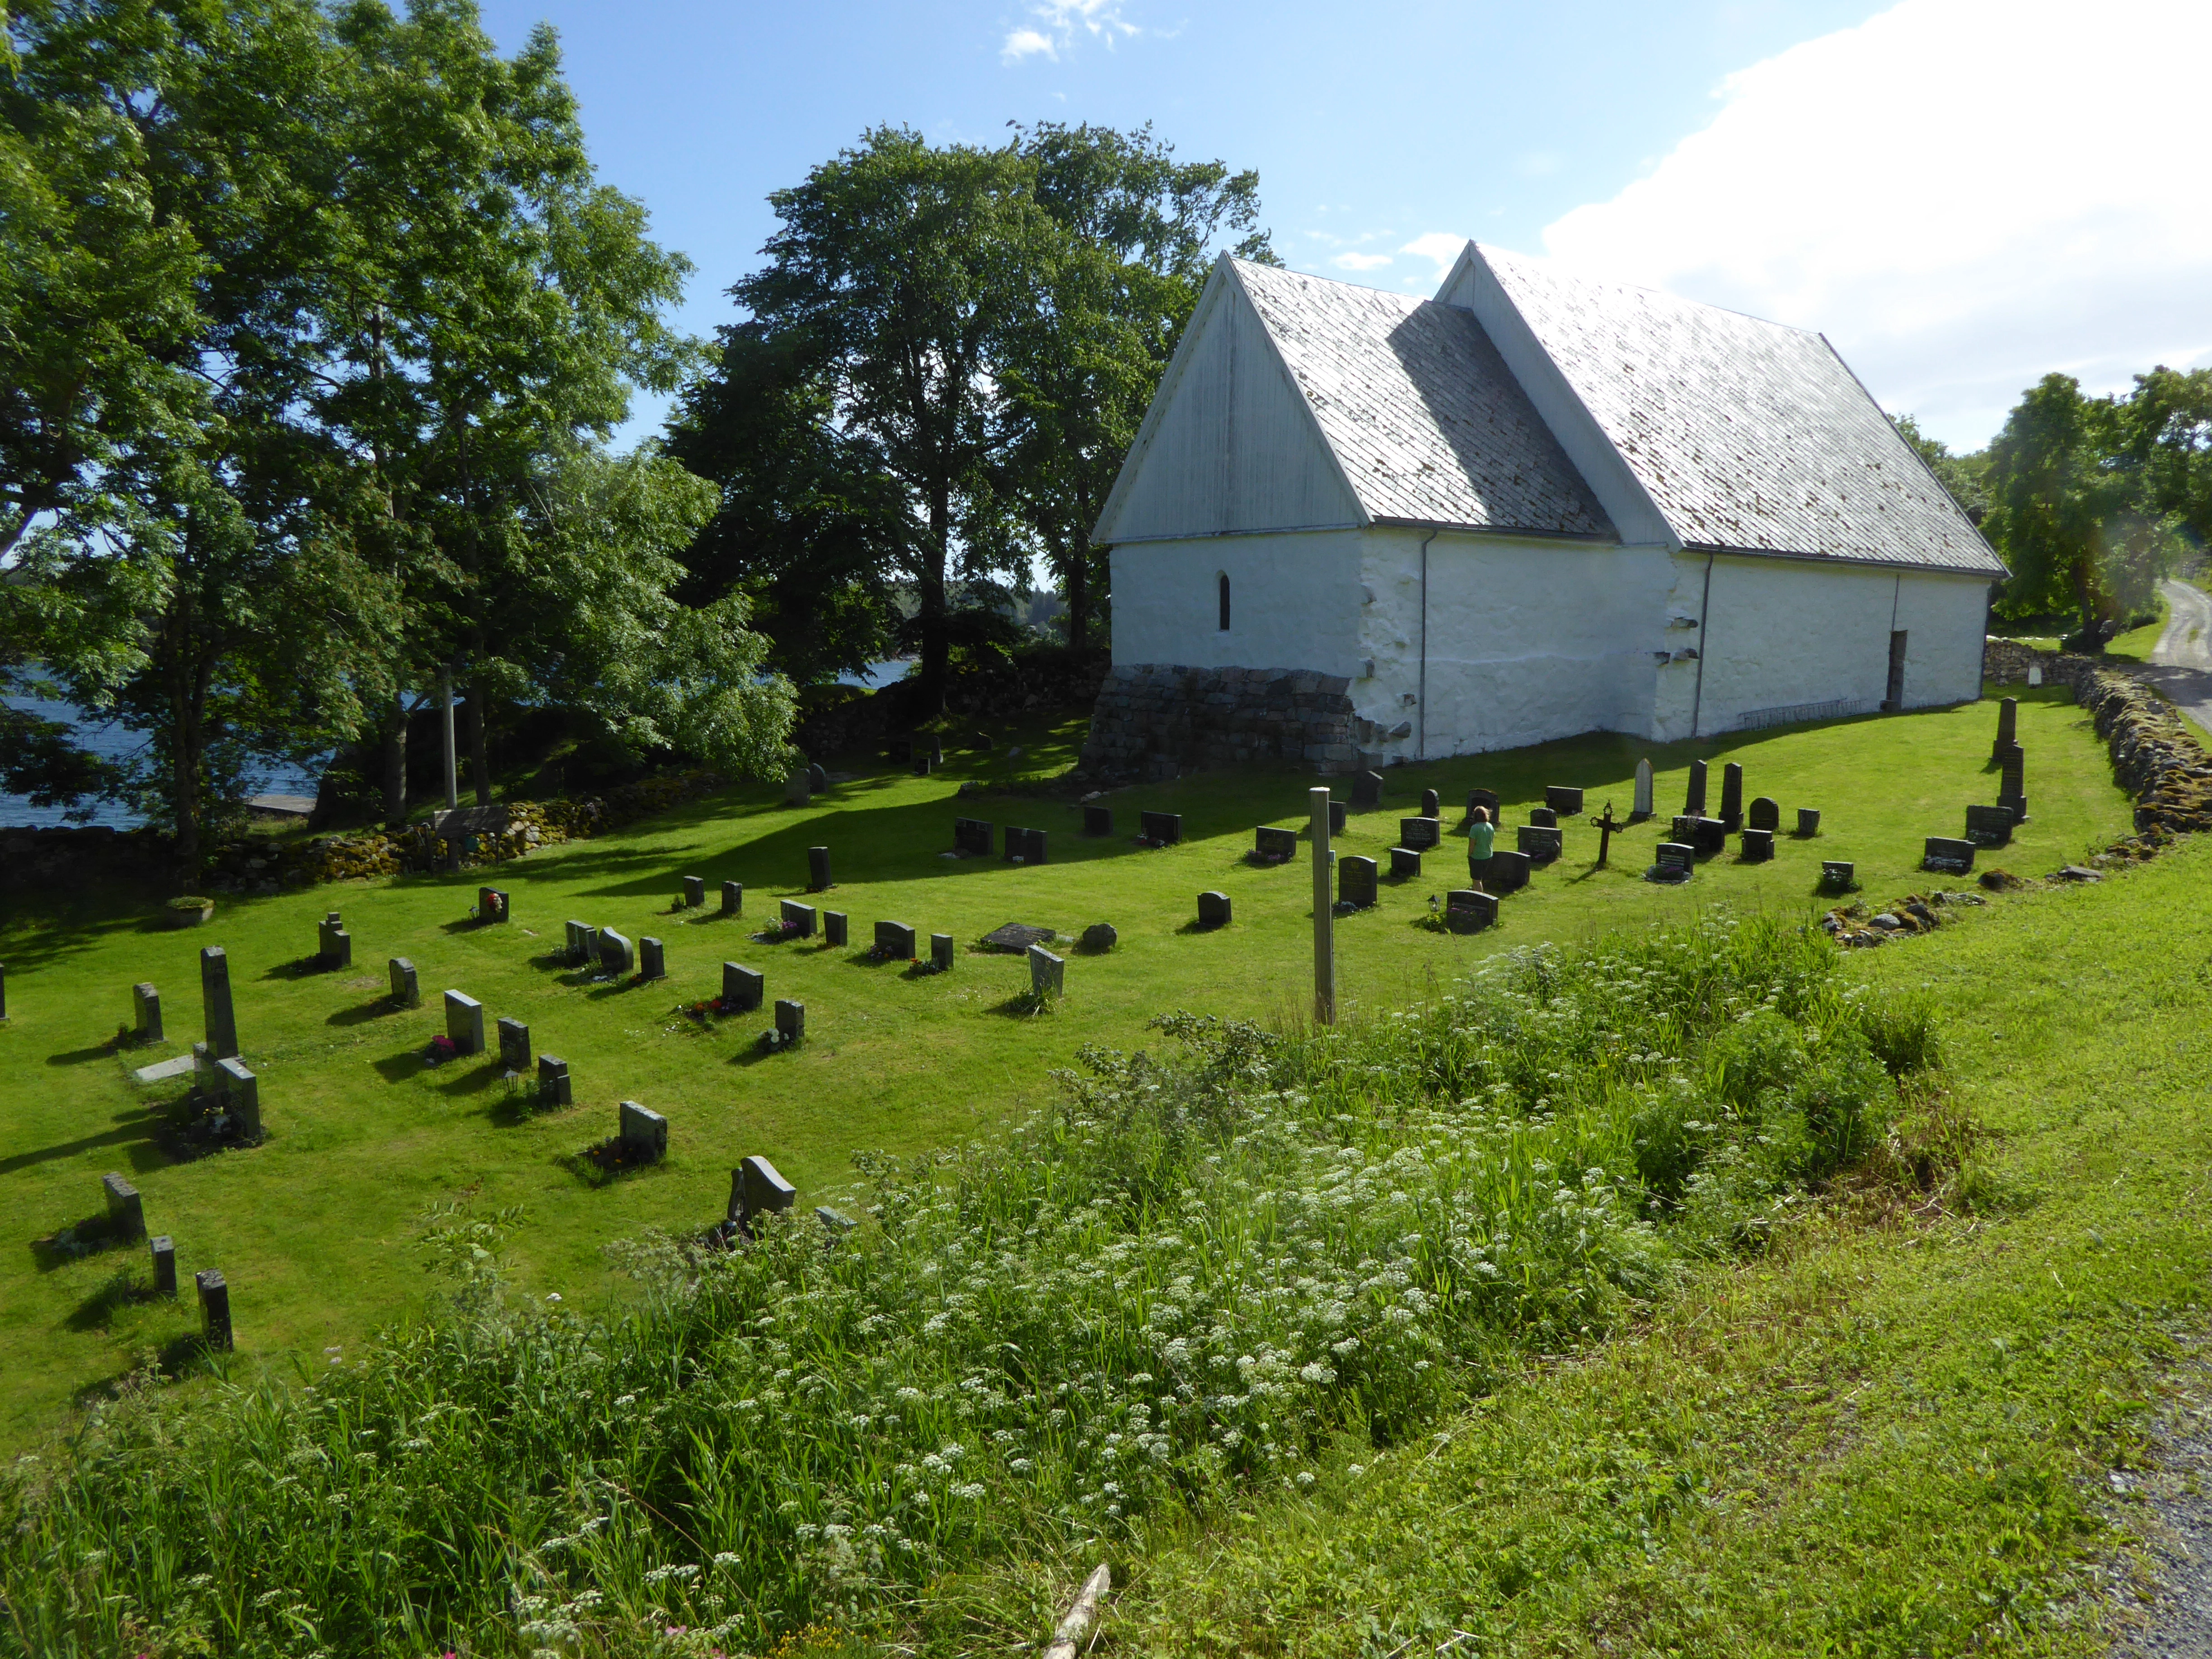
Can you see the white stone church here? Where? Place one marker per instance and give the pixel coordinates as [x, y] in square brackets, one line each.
[1535, 506]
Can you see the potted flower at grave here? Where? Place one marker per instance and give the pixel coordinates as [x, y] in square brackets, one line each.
[441, 1049]
[188, 912]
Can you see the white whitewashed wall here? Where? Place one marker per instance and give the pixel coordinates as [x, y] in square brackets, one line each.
[1295, 601]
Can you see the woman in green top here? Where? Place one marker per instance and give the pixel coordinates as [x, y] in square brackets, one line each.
[1481, 836]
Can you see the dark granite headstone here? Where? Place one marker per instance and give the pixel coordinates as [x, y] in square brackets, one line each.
[1989, 826]
[798, 918]
[2012, 788]
[1431, 807]
[146, 1012]
[894, 939]
[1048, 972]
[1467, 911]
[1676, 861]
[743, 988]
[1273, 841]
[1757, 846]
[1509, 870]
[553, 1088]
[1017, 937]
[333, 945]
[695, 892]
[1097, 820]
[1162, 828]
[215, 1309]
[405, 990]
[1808, 820]
[1732, 796]
[241, 1096]
[1336, 810]
[1367, 789]
[1709, 837]
[492, 905]
[1405, 863]
[835, 924]
[464, 1023]
[734, 898]
[651, 959]
[126, 1211]
[643, 1133]
[790, 1021]
[578, 948]
[2007, 727]
[1544, 818]
[1543, 843]
[1564, 798]
[818, 870]
[1839, 875]
[617, 954]
[1355, 882]
[514, 1043]
[214, 998]
[1486, 798]
[817, 779]
[1025, 846]
[164, 1250]
[1945, 854]
[1100, 936]
[972, 837]
[1765, 814]
[1420, 834]
[1693, 800]
[921, 765]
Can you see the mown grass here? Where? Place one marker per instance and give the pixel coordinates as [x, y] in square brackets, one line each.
[317, 1229]
[1168, 1294]
[1890, 1435]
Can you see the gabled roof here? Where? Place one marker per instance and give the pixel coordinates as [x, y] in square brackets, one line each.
[1422, 415]
[1746, 435]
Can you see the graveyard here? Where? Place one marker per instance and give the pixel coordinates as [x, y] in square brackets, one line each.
[860, 1008]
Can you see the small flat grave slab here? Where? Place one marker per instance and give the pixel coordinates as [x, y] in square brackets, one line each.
[1014, 936]
[1564, 798]
[162, 1071]
[1420, 834]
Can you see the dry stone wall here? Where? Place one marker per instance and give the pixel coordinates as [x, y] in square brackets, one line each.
[1155, 720]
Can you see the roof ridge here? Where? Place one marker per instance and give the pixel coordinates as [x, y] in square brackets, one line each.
[1544, 265]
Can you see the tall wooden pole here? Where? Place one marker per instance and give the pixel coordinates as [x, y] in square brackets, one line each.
[1324, 912]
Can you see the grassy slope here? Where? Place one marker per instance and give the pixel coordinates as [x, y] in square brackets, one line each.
[315, 1230]
[1889, 1438]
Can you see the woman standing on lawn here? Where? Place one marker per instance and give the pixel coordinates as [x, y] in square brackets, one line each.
[1481, 835]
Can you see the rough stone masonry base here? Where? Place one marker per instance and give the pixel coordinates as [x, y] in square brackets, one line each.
[1158, 718]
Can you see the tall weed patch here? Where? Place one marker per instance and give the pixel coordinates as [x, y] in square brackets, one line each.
[1187, 1280]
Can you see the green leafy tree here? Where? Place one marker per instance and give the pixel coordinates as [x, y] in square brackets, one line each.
[2167, 442]
[1964, 475]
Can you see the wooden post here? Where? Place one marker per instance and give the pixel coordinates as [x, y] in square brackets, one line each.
[1072, 1628]
[1324, 905]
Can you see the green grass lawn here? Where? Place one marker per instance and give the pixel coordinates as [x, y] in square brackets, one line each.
[2137, 643]
[317, 1229]
[1908, 1429]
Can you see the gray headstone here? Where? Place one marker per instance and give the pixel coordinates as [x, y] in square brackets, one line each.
[835, 926]
[1838, 873]
[798, 918]
[1758, 845]
[651, 959]
[146, 1012]
[756, 1187]
[404, 991]
[834, 1221]
[1213, 909]
[1541, 843]
[1405, 863]
[1732, 796]
[464, 1023]
[1355, 882]
[743, 987]
[1544, 818]
[734, 898]
[790, 1021]
[1509, 870]
[1420, 834]
[940, 952]
[1693, 800]
[1564, 798]
[1765, 814]
[616, 954]
[215, 1309]
[1048, 972]
[580, 948]
[165, 1266]
[797, 789]
[1162, 829]
[126, 1211]
[643, 1133]
[817, 779]
[1467, 911]
[1097, 820]
[215, 999]
[1808, 820]
[333, 945]
[514, 1043]
[818, 870]
[1275, 843]
[241, 1096]
[1336, 810]
[695, 892]
[1643, 808]
[894, 939]
[553, 1088]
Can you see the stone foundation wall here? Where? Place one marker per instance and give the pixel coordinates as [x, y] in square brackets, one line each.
[1156, 719]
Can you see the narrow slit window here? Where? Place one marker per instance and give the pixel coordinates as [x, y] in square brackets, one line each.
[1224, 580]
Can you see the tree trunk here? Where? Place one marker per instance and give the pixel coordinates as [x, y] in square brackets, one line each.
[479, 766]
[395, 764]
[1076, 566]
[183, 774]
[936, 653]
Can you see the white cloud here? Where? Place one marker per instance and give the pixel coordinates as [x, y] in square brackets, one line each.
[1963, 194]
[1360, 261]
[1059, 22]
[1438, 246]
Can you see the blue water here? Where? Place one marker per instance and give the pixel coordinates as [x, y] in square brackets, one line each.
[107, 739]
[884, 673]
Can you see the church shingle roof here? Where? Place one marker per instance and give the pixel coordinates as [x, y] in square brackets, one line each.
[1426, 419]
[1746, 435]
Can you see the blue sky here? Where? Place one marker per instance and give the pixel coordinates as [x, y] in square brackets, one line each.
[1893, 175]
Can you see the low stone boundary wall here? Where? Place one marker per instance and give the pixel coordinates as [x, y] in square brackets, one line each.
[2156, 754]
[2006, 662]
[1157, 719]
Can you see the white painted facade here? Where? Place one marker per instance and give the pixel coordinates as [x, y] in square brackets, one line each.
[1299, 446]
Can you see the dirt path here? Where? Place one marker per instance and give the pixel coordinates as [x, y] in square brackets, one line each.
[2170, 1617]
[2181, 662]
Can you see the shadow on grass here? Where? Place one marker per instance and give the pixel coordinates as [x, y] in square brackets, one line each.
[603, 1163]
[78, 1056]
[173, 1362]
[133, 1131]
[1195, 926]
[125, 1287]
[303, 968]
[488, 1070]
[93, 1236]
[366, 1012]
[398, 1068]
